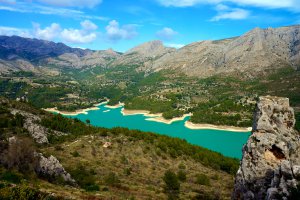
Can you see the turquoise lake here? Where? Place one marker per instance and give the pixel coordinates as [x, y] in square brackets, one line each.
[226, 142]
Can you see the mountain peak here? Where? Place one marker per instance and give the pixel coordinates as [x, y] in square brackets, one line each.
[147, 47]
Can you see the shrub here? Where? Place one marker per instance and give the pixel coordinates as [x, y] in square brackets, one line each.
[202, 179]
[58, 148]
[172, 185]
[11, 176]
[20, 155]
[112, 180]
[181, 166]
[83, 177]
[75, 154]
[92, 187]
[127, 171]
[181, 175]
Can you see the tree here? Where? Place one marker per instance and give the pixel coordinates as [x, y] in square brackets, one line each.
[172, 185]
[88, 121]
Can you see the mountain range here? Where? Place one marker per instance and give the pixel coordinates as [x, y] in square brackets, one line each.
[258, 50]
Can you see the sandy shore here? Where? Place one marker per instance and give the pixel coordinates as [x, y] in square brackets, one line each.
[146, 113]
[191, 125]
[168, 121]
[77, 112]
[115, 106]
[99, 104]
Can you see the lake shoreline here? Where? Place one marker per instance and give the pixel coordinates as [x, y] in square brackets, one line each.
[188, 124]
[146, 113]
[157, 117]
[76, 112]
[193, 126]
[168, 121]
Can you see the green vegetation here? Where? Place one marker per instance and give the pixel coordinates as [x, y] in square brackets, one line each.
[105, 172]
[202, 179]
[84, 178]
[112, 180]
[220, 100]
[172, 185]
[26, 193]
[173, 146]
[181, 175]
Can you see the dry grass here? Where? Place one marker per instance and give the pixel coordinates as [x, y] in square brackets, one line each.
[147, 166]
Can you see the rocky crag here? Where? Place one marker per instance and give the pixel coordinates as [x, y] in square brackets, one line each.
[270, 167]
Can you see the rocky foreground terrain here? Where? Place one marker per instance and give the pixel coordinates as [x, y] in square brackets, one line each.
[270, 167]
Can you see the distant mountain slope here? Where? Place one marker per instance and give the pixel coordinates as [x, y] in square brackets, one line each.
[255, 51]
[144, 53]
[17, 53]
[258, 51]
[33, 49]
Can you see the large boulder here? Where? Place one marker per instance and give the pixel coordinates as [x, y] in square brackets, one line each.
[50, 167]
[270, 166]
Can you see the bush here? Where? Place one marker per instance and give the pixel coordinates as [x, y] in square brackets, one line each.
[181, 175]
[11, 176]
[172, 185]
[202, 179]
[75, 154]
[20, 155]
[127, 171]
[93, 187]
[83, 177]
[112, 180]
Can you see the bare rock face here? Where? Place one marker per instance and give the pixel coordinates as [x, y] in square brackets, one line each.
[38, 132]
[143, 55]
[52, 167]
[255, 52]
[270, 165]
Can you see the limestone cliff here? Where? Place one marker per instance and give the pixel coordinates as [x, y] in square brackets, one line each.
[270, 167]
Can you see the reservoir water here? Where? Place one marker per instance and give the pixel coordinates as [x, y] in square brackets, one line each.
[226, 142]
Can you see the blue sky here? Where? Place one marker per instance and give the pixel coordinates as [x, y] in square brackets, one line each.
[121, 25]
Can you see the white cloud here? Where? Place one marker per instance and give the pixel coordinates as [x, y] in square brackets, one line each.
[47, 10]
[284, 4]
[233, 14]
[72, 3]
[177, 46]
[166, 33]
[86, 34]
[79, 36]
[114, 32]
[88, 25]
[10, 31]
[49, 33]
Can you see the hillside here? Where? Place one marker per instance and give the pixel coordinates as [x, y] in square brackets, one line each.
[252, 53]
[45, 155]
[221, 79]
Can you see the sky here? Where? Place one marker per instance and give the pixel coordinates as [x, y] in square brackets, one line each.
[123, 24]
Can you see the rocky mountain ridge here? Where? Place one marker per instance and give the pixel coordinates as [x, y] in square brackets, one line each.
[257, 51]
[270, 167]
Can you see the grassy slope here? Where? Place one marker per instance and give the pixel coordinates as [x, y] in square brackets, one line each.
[139, 161]
[146, 165]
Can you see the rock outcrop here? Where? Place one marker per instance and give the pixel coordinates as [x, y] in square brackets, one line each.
[32, 123]
[51, 167]
[270, 167]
